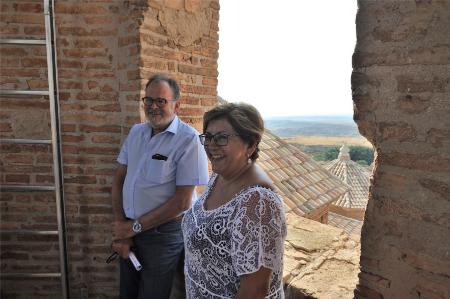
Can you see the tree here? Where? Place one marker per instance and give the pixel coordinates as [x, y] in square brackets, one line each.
[358, 153]
[328, 155]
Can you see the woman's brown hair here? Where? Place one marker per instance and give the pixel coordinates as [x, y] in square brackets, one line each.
[245, 120]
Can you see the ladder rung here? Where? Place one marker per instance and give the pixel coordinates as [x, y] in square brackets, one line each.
[29, 275]
[22, 188]
[30, 232]
[25, 141]
[23, 41]
[24, 92]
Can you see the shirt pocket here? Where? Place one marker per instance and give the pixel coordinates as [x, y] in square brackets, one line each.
[159, 171]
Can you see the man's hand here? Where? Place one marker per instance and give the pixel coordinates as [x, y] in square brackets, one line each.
[122, 230]
[122, 247]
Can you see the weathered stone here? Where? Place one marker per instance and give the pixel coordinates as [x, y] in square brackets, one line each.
[405, 45]
[412, 104]
[312, 266]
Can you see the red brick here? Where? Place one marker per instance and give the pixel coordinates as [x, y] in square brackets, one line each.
[130, 86]
[29, 7]
[82, 179]
[10, 62]
[5, 127]
[68, 128]
[35, 30]
[36, 104]
[37, 84]
[109, 172]
[191, 111]
[83, 53]
[72, 138]
[75, 64]
[107, 88]
[70, 85]
[107, 108]
[17, 178]
[81, 8]
[23, 19]
[21, 72]
[13, 51]
[209, 81]
[187, 100]
[8, 255]
[18, 158]
[90, 209]
[187, 69]
[101, 129]
[73, 107]
[99, 66]
[197, 89]
[128, 40]
[208, 102]
[45, 179]
[97, 96]
[105, 139]
[98, 20]
[88, 43]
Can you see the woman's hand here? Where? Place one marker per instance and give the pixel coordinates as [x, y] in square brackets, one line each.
[122, 230]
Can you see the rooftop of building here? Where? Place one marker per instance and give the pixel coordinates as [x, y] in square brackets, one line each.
[349, 225]
[355, 176]
[303, 183]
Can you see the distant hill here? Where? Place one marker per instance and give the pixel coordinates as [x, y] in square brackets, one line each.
[312, 126]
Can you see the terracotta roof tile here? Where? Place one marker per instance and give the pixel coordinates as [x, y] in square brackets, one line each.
[350, 225]
[354, 175]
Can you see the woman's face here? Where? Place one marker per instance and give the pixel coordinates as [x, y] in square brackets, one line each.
[229, 159]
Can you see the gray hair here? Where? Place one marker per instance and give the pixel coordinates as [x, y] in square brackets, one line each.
[172, 83]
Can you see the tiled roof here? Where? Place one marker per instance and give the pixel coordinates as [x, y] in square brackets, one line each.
[354, 175]
[350, 225]
[303, 183]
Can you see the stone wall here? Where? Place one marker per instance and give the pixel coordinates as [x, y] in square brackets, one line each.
[106, 51]
[401, 89]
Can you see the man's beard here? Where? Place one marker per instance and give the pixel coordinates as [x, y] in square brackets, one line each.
[158, 121]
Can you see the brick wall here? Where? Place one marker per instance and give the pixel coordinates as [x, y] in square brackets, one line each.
[106, 51]
[401, 84]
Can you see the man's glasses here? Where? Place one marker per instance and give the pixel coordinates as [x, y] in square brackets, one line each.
[220, 139]
[160, 102]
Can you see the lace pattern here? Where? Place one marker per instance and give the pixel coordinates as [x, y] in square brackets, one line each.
[237, 238]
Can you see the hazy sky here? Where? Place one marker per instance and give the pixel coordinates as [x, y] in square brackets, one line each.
[287, 57]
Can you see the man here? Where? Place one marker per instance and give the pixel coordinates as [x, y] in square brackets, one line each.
[160, 164]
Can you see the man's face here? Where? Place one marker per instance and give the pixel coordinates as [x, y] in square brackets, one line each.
[160, 117]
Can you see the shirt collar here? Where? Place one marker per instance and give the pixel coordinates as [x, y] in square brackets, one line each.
[172, 128]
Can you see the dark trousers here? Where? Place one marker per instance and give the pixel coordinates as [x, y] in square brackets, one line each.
[158, 250]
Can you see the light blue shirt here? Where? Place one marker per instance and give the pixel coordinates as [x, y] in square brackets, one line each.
[149, 183]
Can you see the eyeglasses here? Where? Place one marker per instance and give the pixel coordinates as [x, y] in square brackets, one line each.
[160, 102]
[220, 139]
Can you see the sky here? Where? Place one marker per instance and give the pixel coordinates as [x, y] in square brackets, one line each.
[287, 57]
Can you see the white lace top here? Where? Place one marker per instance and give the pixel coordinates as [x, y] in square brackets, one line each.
[234, 239]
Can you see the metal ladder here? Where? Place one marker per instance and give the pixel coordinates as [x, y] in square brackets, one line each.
[54, 142]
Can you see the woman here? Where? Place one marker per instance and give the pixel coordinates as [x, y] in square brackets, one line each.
[234, 234]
